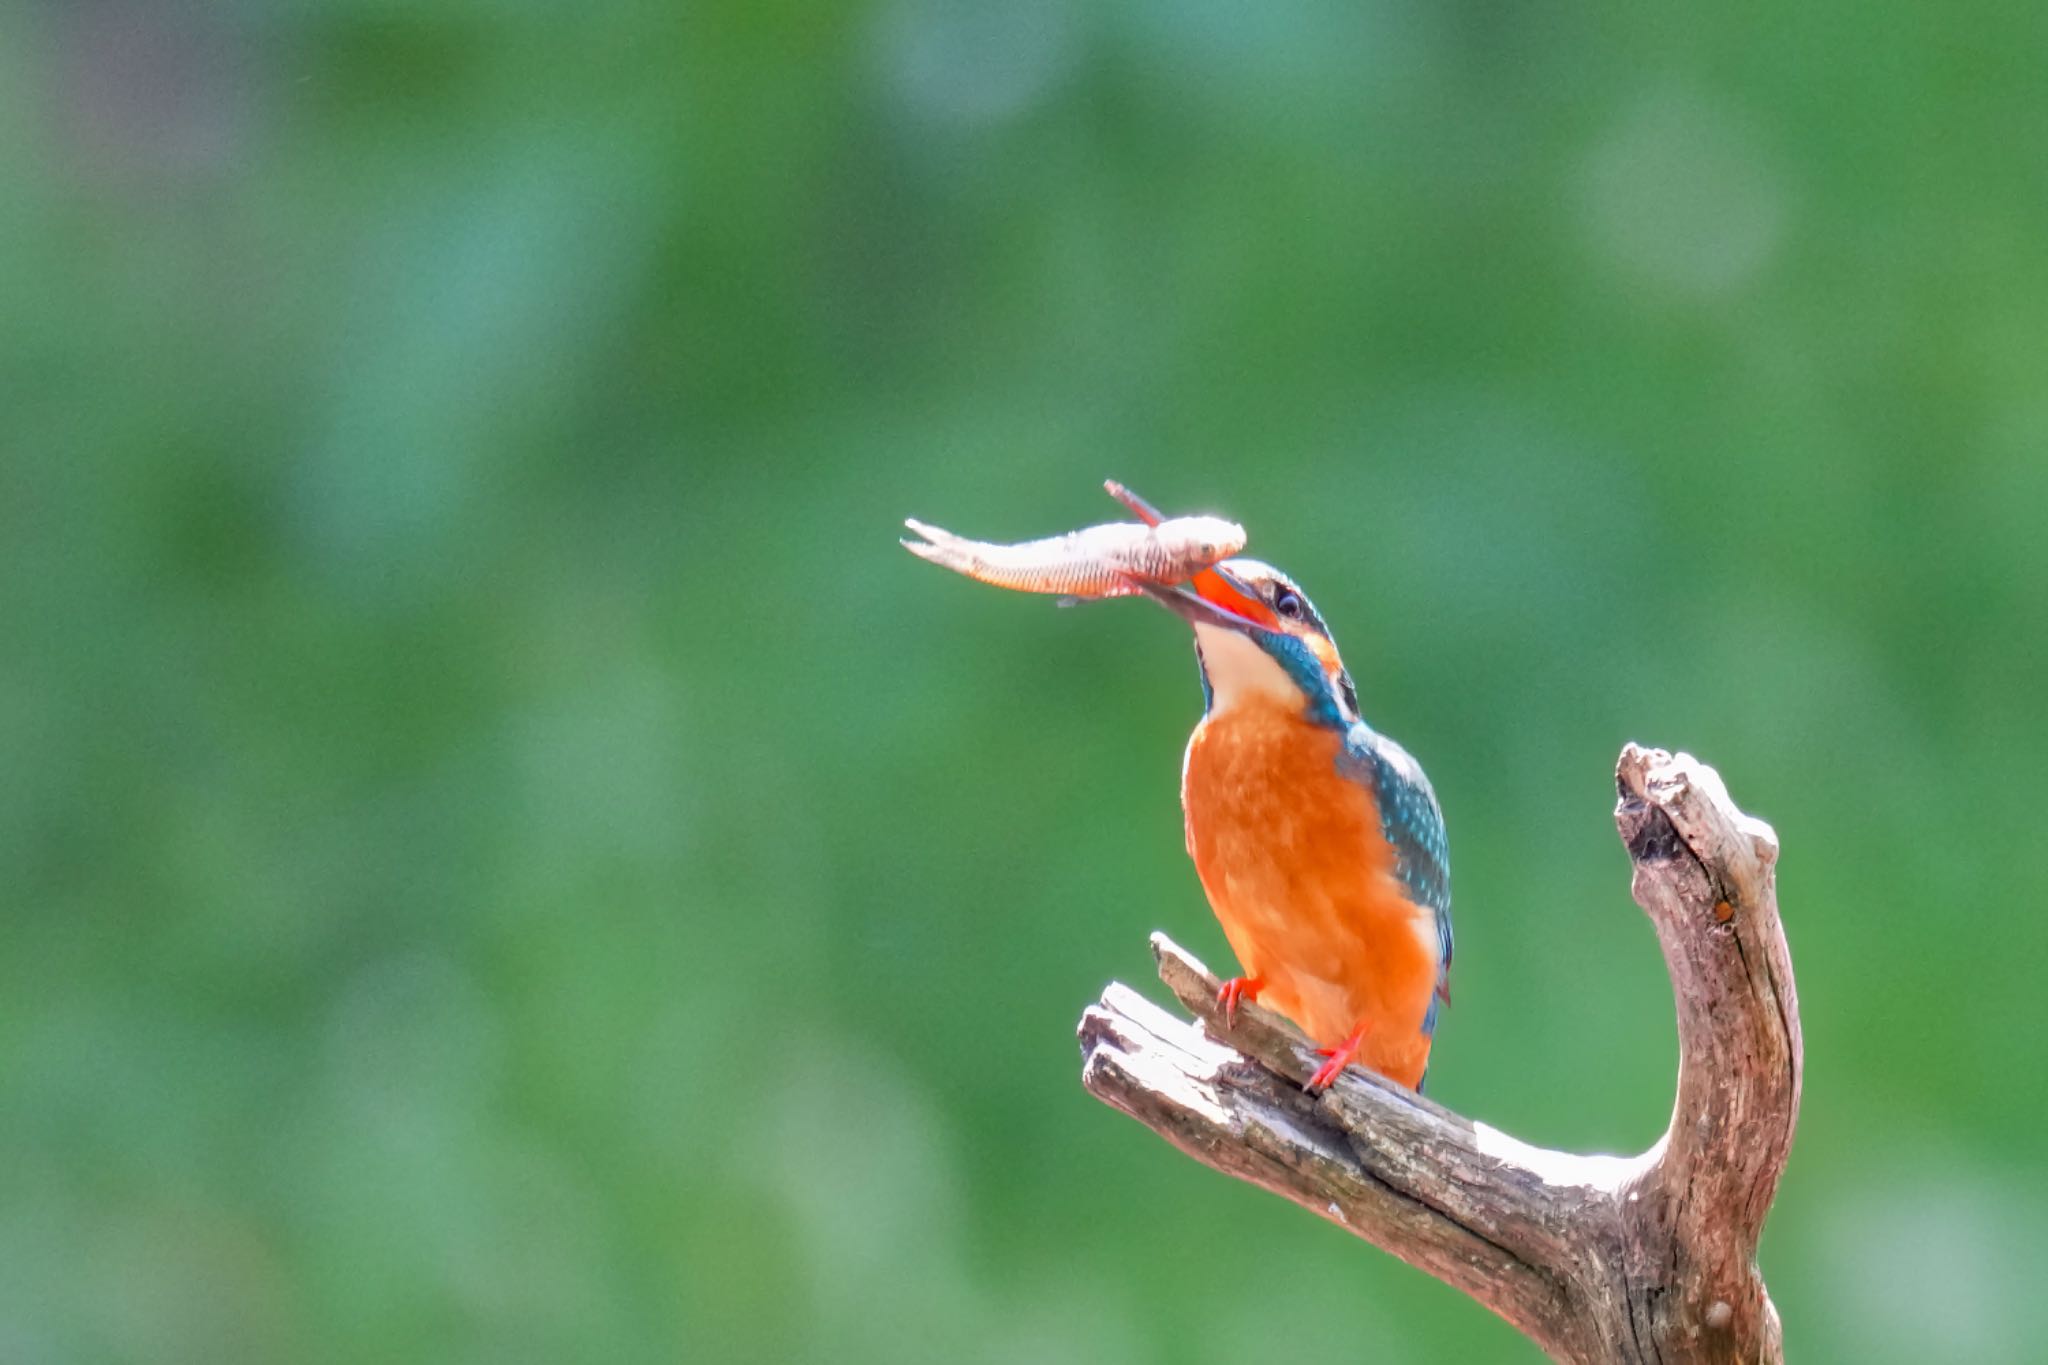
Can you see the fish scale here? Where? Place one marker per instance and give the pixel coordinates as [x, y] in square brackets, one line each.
[1115, 559]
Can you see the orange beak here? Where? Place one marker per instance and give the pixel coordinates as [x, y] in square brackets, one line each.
[1220, 588]
[1214, 597]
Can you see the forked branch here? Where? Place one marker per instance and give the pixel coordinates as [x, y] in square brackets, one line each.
[1595, 1258]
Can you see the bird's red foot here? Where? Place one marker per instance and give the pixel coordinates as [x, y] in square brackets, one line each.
[1234, 992]
[1340, 1057]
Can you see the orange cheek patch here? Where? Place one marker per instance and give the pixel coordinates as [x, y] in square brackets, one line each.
[1325, 652]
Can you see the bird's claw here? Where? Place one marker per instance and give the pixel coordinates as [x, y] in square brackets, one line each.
[1339, 1057]
[1235, 991]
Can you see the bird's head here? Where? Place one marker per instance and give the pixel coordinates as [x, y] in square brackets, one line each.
[1259, 637]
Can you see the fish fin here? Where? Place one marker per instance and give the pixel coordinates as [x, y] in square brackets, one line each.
[1147, 513]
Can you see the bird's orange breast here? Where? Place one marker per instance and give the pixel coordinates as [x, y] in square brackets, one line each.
[1298, 871]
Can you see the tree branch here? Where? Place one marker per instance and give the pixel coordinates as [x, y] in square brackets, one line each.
[1595, 1258]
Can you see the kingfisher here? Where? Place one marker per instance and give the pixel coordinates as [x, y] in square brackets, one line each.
[1317, 839]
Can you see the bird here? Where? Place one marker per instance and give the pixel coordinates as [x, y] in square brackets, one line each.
[1318, 841]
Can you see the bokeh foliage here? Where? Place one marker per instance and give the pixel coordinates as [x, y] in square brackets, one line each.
[506, 860]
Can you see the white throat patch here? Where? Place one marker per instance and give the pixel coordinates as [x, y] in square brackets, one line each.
[1239, 670]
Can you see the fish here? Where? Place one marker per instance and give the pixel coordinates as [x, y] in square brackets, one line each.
[1115, 559]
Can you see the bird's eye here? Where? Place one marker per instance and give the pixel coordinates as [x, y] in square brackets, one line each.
[1287, 602]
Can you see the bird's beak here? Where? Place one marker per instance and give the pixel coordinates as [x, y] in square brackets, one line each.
[1216, 597]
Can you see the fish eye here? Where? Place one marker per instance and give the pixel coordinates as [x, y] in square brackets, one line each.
[1287, 603]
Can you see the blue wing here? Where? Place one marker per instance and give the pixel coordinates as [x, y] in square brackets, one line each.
[1414, 825]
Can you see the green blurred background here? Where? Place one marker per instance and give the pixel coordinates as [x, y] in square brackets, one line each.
[506, 860]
